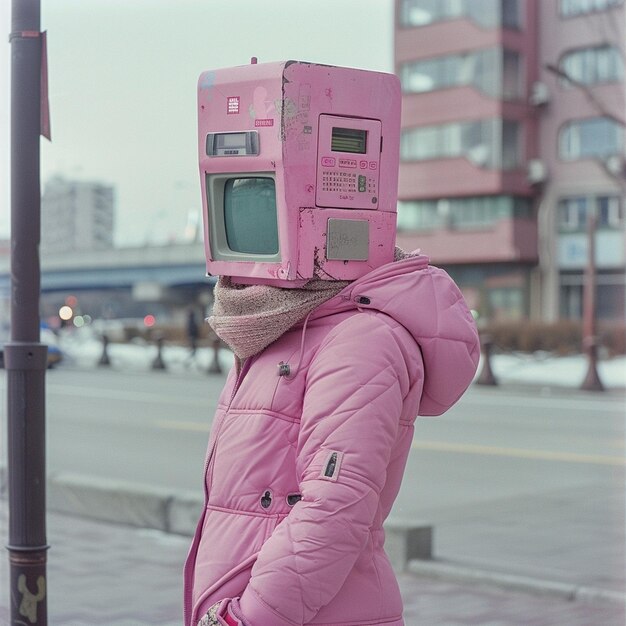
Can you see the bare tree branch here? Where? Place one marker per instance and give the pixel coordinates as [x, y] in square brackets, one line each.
[591, 97]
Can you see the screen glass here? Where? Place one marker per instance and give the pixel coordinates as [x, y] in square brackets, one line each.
[352, 140]
[250, 216]
[232, 140]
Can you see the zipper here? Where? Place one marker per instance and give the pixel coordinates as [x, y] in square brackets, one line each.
[187, 609]
[242, 373]
[331, 465]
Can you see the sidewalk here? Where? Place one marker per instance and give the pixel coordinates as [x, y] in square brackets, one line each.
[122, 576]
[546, 537]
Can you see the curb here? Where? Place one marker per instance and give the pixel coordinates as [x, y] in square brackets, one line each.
[119, 502]
[408, 543]
[124, 503]
[447, 571]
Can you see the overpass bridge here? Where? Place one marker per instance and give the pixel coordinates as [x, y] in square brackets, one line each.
[167, 266]
[120, 282]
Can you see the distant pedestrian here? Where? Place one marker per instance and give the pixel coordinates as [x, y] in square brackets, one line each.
[193, 332]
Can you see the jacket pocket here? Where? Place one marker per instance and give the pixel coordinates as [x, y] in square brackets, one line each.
[228, 547]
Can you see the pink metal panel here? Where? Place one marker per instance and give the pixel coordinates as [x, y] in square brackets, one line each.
[340, 178]
[284, 103]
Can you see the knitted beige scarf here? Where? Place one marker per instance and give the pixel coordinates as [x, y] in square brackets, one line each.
[250, 317]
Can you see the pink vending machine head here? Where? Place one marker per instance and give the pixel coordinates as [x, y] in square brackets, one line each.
[299, 171]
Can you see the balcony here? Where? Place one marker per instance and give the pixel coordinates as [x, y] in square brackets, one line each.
[508, 240]
[458, 177]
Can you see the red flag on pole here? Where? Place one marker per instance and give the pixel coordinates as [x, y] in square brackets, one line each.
[45, 102]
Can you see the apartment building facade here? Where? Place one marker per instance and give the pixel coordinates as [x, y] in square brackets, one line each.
[503, 157]
[76, 215]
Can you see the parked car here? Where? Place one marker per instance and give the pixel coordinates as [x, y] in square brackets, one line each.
[55, 355]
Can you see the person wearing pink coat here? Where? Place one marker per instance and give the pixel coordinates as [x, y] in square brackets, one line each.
[339, 346]
[310, 440]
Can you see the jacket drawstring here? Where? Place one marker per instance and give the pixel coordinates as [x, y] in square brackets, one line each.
[284, 369]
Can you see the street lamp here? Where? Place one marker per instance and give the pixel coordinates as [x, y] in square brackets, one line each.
[25, 356]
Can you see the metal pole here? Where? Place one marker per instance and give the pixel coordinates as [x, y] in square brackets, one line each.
[25, 356]
[592, 380]
[486, 376]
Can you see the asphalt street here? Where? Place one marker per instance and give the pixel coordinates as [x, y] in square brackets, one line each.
[503, 475]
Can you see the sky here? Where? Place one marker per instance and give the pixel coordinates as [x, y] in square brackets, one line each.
[122, 86]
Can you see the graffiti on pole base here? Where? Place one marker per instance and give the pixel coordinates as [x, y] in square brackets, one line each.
[28, 606]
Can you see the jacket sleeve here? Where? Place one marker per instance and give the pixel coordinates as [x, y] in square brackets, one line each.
[352, 405]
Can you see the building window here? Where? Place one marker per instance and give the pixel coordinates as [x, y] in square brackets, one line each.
[571, 301]
[482, 142]
[510, 13]
[572, 213]
[420, 215]
[571, 8]
[610, 212]
[589, 66]
[494, 71]
[610, 292]
[512, 79]
[510, 145]
[597, 137]
[486, 13]
[506, 304]
[471, 213]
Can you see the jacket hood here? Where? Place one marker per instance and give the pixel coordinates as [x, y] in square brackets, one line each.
[427, 302]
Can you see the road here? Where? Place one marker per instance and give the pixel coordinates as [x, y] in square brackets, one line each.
[502, 474]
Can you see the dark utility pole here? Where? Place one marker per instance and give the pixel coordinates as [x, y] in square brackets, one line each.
[25, 356]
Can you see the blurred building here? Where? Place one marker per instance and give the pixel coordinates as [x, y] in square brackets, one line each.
[76, 215]
[503, 157]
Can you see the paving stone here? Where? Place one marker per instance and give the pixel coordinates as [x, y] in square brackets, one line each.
[113, 575]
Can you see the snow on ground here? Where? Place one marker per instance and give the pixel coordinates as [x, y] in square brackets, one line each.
[562, 371]
[83, 348]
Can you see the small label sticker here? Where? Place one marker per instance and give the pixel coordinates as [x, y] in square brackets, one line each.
[351, 163]
[232, 105]
[264, 123]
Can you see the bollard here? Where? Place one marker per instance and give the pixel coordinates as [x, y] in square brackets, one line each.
[159, 363]
[406, 541]
[592, 380]
[486, 374]
[104, 359]
[215, 367]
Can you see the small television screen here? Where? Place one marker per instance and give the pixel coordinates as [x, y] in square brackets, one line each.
[250, 219]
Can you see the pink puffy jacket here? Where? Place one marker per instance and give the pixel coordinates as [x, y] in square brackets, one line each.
[302, 470]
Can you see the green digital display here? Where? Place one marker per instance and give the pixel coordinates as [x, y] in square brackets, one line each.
[353, 140]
